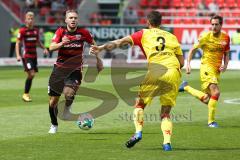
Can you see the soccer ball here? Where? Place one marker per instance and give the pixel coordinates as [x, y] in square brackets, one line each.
[86, 124]
[85, 121]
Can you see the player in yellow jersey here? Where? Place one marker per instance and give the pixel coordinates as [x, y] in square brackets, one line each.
[215, 47]
[164, 56]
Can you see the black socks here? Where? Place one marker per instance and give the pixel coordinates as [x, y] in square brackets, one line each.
[53, 111]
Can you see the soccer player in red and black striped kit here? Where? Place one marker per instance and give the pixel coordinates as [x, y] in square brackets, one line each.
[67, 72]
[29, 35]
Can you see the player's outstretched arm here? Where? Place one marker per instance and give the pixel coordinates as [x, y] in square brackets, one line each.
[190, 55]
[111, 45]
[99, 61]
[17, 47]
[94, 49]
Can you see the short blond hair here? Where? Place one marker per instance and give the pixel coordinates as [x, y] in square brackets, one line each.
[29, 13]
[71, 11]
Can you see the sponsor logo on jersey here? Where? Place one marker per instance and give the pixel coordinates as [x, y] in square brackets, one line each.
[73, 45]
[31, 39]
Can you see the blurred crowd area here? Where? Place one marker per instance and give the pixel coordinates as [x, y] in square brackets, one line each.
[184, 11]
[98, 13]
[130, 12]
[50, 11]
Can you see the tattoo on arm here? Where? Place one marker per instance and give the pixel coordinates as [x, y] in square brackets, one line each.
[120, 43]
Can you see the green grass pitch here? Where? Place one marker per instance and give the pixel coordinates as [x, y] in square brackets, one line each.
[24, 126]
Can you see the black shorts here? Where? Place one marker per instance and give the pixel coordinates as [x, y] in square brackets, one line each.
[61, 77]
[30, 64]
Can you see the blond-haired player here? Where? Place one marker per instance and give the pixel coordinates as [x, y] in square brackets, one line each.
[29, 35]
[215, 45]
[165, 59]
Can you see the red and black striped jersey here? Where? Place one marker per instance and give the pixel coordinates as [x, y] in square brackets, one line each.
[30, 38]
[71, 55]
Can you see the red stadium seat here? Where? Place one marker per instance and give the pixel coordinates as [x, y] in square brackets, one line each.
[71, 3]
[238, 4]
[44, 11]
[50, 20]
[189, 21]
[192, 12]
[142, 21]
[177, 4]
[181, 12]
[165, 4]
[177, 21]
[196, 1]
[144, 3]
[188, 4]
[220, 3]
[200, 21]
[166, 21]
[235, 13]
[208, 1]
[140, 13]
[225, 12]
[207, 21]
[231, 4]
[166, 13]
[154, 4]
[230, 21]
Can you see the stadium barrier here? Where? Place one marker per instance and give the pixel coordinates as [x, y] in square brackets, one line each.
[102, 34]
[47, 62]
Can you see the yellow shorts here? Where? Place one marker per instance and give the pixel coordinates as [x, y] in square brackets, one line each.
[208, 75]
[165, 86]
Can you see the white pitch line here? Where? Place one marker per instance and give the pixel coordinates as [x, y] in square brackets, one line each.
[232, 101]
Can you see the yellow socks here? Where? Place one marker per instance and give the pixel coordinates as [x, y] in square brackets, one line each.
[196, 93]
[166, 127]
[212, 108]
[212, 102]
[138, 119]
